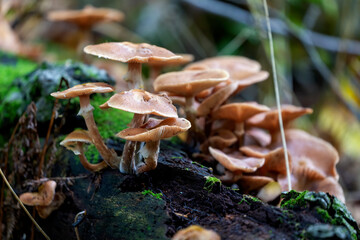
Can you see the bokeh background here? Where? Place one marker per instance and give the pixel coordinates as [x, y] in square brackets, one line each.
[316, 42]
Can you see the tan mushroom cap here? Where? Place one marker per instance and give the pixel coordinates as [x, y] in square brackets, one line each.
[251, 183]
[260, 136]
[236, 162]
[45, 211]
[83, 89]
[269, 192]
[132, 52]
[142, 102]
[88, 16]
[274, 160]
[186, 58]
[270, 120]
[239, 112]
[215, 100]
[189, 83]
[312, 152]
[71, 140]
[222, 138]
[43, 197]
[237, 67]
[156, 130]
[195, 232]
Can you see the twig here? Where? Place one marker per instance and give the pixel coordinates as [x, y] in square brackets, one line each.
[42, 180]
[277, 95]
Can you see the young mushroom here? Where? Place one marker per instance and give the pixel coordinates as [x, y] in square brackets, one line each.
[85, 19]
[141, 103]
[134, 55]
[84, 91]
[151, 133]
[74, 142]
[43, 198]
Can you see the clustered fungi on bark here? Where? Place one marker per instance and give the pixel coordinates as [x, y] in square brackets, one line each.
[242, 137]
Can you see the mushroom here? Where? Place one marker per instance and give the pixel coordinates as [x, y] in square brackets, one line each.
[151, 133]
[134, 55]
[235, 162]
[242, 70]
[43, 197]
[156, 67]
[85, 19]
[269, 192]
[141, 103]
[74, 142]
[188, 84]
[238, 112]
[313, 163]
[45, 211]
[195, 232]
[84, 91]
[270, 120]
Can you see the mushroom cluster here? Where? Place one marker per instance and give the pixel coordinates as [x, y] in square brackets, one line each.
[243, 137]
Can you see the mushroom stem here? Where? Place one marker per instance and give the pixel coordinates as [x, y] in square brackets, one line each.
[109, 155]
[89, 166]
[154, 73]
[128, 156]
[83, 40]
[190, 112]
[239, 132]
[150, 153]
[133, 76]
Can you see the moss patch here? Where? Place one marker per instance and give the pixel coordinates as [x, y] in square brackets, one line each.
[328, 210]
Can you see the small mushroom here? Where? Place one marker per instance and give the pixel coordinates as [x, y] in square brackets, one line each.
[134, 55]
[238, 112]
[74, 142]
[141, 103]
[151, 133]
[85, 19]
[195, 232]
[84, 91]
[269, 192]
[43, 197]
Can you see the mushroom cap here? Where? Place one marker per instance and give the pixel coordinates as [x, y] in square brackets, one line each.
[45, 211]
[269, 192]
[237, 67]
[250, 183]
[310, 152]
[274, 160]
[222, 138]
[215, 100]
[259, 135]
[195, 232]
[142, 102]
[43, 197]
[235, 162]
[132, 52]
[155, 130]
[71, 140]
[83, 89]
[186, 58]
[239, 112]
[87, 16]
[270, 119]
[189, 83]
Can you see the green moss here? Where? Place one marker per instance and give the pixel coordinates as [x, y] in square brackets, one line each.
[109, 121]
[329, 209]
[151, 193]
[210, 182]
